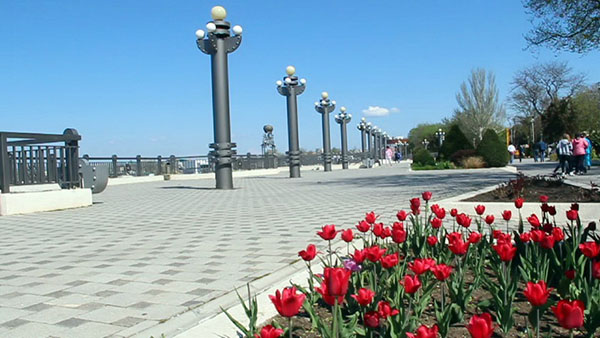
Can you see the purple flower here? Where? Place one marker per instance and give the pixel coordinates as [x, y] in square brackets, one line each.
[351, 265]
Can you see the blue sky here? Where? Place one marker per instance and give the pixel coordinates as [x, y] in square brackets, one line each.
[129, 77]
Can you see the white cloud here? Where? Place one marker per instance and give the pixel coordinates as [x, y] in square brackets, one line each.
[378, 111]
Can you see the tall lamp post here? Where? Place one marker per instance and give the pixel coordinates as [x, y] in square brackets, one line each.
[324, 107]
[375, 134]
[290, 87]
[218, 44]
[362, 126]
[441, 135]
[343, 119]
[369, 131]
[425, 143]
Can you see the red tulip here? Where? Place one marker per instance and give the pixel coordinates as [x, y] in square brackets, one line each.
[453, 212]
[458, 246]
[434, 207]
[558, 234]
[419, 266]
[426, 195]
[489, 219]
[441, 271]
[432, 240]
[547, 227]
[364, 296]
[596, 270]
[374, 253]
[387, 232]
[378, 229]
[415, 203]
[389, 261]
[525, 237]
[590, 249]
[570, 274]
[537, 235]
[547, 242]
[463, 220]
[543, 199]
[534, 221]
[506, 215]
[572, 215]
[552, 210]
[474, 237]
[359, 255]
[545, 207]
[268, 331]
[288, 303]
[399, 236]
[402, 215]
[411, 284]
[481, 326]
[385, 310]
[519, 203]
[363, 226]
[569, 314]
[372, 319]
[436, 223]
[347, 235]
[328, 232]
[502, 237]
[398, 225]
[480, 209]
[506, 251]
[334, 285]
[424, 332]
[371, 217]
[440, 213]
[308, 254]
[575, 206]
[537, 293]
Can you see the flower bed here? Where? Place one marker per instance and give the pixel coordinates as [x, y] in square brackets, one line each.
[416, 278]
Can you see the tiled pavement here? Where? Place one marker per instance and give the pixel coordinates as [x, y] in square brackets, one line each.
[144, 253]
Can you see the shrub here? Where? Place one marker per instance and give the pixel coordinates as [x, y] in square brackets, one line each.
[473, 162]
[455, 141]
[460, 155]
[492, 149]
[437, 166]
[423, 157]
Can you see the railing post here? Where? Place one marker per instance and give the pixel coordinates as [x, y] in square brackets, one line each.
[172, 160]
[159, 163]
[138, 165]
[4, 170]
[114, 166]
[72, 160]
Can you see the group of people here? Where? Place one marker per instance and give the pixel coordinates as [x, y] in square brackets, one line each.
[574, 155]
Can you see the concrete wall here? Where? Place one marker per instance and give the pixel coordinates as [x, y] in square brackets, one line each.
[36, 201]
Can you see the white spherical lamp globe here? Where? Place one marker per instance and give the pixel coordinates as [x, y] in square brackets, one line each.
[279, 83]
[303, 81]
[324, 95]
[350, 115]
[211, 27]
[316, 103]
[288, 80]
[343, 109]
[333, 102]
[218, 13]
[237, 30]
[200, 34]
[336, 116]
[290, 70]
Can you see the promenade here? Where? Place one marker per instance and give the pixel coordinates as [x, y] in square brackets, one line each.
[146, 254]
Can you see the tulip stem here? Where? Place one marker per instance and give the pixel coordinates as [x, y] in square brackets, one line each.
[571, 334]
[290, 327]
[591, 268]
[443, 296]
[330, 254]
[537, 323]
[335, 319]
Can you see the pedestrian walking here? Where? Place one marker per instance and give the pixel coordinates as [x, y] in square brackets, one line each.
[580, 145]
[521, 152]
[389, 153]
[543, 147]
[511, 151]
[588, 152]
[564, 149]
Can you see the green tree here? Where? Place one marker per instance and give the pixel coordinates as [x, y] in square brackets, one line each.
[493, 150]
[560, 118]
[455, 141]
[570, 25]
[425, 131]
[478, 105]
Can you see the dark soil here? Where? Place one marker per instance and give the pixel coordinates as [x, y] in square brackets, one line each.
[303, 327]
[530, 188]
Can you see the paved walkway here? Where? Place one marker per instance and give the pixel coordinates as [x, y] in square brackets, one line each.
[144, 253]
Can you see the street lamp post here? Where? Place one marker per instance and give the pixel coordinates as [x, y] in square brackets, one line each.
[362, 126]
[324, 107]
[344, 119]
[369, 131]
[290, 87]
[375, 134]
[425, 143]
[218, 44]
[441, 135]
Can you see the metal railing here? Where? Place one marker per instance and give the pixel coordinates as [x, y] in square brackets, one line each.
[28, 158]
[196, 164]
